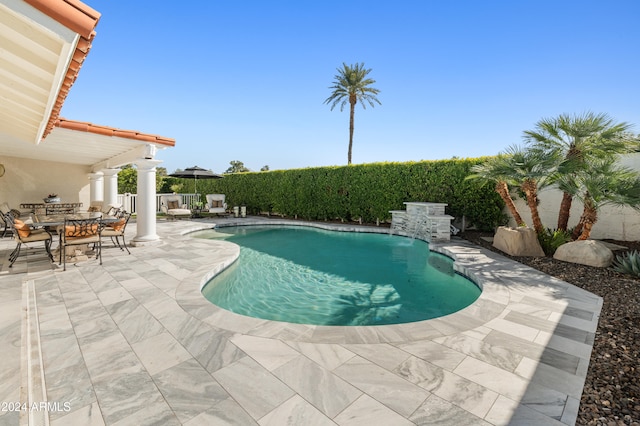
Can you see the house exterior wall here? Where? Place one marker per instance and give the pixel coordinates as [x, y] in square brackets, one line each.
[29, 181]
[618, 223]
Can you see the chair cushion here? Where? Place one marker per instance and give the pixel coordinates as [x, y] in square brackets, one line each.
[173, 205]
[117, 226]
[23, 229]
[95, 208]
[216, 203]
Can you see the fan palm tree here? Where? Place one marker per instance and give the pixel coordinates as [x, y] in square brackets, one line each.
[531, 169]
[577, 139]
[351, 86]
[496, 170]
[604, 183]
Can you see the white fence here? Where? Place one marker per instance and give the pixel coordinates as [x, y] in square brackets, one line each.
[128, 201]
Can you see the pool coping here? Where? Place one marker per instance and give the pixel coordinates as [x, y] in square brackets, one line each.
[496, 300]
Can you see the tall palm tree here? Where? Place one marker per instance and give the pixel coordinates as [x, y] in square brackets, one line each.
[496, 170]
[577, 139]
[351, 85]
[604, 183]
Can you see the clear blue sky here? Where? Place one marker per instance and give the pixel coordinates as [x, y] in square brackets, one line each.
[246, 80]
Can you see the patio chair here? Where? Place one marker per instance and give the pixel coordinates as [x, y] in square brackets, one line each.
[115, 230]
[81, 232]
[216, 203]
[5, 209]
[23, 234]
[172, 206]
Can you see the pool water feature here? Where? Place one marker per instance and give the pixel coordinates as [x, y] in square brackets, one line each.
[312, 276]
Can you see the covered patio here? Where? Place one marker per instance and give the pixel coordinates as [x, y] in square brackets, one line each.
[44, 46]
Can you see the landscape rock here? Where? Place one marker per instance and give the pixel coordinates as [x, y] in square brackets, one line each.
[521, 241]
[585, 252]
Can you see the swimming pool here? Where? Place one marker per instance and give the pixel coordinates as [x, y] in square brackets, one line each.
[312, 276]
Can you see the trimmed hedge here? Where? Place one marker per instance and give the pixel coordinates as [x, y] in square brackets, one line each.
[367, 192]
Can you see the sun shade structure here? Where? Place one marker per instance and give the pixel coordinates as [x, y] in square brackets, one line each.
[196, 173]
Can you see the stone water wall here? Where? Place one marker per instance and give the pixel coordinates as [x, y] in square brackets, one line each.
[425, 221]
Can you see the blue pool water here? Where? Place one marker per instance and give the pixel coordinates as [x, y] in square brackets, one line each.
[312, 276]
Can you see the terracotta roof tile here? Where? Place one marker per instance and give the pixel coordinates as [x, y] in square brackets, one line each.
[82, 126]
[81, 19]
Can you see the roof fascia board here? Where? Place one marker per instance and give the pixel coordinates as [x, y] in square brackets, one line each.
[142, 151]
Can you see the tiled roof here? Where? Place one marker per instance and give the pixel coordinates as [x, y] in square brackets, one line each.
[81, 19]
[112, 131]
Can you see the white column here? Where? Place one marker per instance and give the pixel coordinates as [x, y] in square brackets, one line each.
[96, 189]
[146, 202]
[110, 187]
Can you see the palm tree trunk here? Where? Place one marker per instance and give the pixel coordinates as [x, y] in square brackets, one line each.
[563, 214]
[352, 113]
[503, 190]
[577, 231]
[591, 218]
[530, 189]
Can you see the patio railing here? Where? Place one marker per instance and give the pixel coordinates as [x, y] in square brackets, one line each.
[128, 201]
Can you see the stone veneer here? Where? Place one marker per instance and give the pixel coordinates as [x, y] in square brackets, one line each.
[425, 221]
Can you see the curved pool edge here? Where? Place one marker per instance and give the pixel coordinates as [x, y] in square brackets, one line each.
[468, 260]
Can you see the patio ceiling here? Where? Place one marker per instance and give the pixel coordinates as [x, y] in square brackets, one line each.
[43, 45]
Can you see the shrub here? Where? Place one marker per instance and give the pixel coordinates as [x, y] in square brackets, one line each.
[551, 239]
[628, 263]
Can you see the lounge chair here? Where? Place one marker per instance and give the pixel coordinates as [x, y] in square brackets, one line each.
[216, 203]
[172, 206]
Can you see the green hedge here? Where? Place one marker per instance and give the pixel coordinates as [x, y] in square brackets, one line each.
[367, 191]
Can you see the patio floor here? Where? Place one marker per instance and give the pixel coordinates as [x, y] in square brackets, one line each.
[133, 342]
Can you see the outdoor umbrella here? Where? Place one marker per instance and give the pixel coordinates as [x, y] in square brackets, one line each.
[196, 173]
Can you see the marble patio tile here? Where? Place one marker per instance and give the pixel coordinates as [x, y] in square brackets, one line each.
[366, 410]
[326, 355]
[213, 349]
[495, 355]
[518, 330]
[122, 395]
[456, 323]
[69, 385]
[136, 284]
[296, 411]
[114, 295]
[508, 412]
[59, 352]
[269, 353]
[571, 409]
[393, 391]
[281, 330]
[405, 332]
[551, 377]
[157, 413]
[110, 356]
[134, 321]
[159, 352]
[435, 353]
[545, 354]
[464, 393]
[573, 333]
[437, 411]
[385, 355]
[478, 333]
[325, 390]
[88, 415]
[189, 389]
[10, 418]
[95, 329]
[512, 386]
[265, 392]
[225, 413]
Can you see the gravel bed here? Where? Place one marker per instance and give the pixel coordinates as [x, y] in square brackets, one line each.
[611, 394]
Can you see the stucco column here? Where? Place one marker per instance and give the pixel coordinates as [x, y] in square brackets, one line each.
[146, 201]
[110, 187]
[96, 188]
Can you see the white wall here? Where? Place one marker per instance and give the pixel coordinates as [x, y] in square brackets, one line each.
[29, 181]
[613, 222]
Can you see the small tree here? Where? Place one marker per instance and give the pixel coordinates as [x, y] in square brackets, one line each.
[237, 167]
[579, 139]
[496, 170]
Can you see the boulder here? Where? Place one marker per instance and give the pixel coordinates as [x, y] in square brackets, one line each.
[521, 241]
[585, 252]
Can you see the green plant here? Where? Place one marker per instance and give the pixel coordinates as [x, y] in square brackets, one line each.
[628, 263]
[551, 239]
